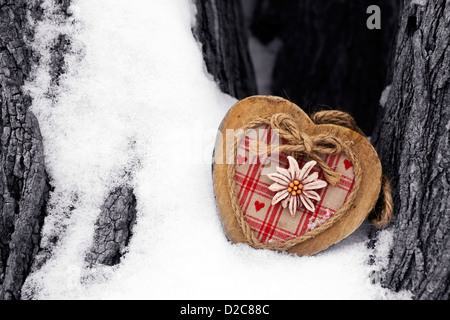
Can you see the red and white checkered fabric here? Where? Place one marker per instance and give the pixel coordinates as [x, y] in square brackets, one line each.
[275, 222]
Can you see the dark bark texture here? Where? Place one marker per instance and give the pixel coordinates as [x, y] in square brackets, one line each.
[23, 183]
[414, 143]
[329, 58]
[113, 229]
[221, 31]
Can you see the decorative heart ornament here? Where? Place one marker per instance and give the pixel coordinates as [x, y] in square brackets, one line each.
[286, 182]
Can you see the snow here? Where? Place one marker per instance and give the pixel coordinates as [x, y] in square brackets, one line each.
[420, 2]
[384, 96]
[135, 98]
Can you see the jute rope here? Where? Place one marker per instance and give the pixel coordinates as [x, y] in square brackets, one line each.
[298, 142]
[383, 213]
[384, 209]
[336, 117]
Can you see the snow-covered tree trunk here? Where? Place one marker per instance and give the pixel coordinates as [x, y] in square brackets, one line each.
[24, 184]
[113, 228]
[414, 143]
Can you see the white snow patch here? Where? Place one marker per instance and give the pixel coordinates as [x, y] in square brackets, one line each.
[136, 98]
[384, 96]
[420, 2]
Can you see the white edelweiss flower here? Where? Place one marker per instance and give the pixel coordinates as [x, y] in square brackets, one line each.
[295, 187]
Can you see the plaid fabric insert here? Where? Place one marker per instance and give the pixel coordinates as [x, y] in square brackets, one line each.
[274, 222]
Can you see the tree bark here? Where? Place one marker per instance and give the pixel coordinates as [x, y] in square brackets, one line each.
[23, 182]
[221, 31]
[113, 228]
[413, 139]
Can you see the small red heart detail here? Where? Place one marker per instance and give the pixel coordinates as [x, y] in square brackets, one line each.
[259, 205]
[347, 164]
[241, 160]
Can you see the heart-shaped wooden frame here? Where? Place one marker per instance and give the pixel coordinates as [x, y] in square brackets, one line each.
[245, 111]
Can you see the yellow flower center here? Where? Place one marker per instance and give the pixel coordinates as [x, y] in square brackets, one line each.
[295, 188]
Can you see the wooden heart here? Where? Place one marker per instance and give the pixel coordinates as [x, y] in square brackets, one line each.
[241, 185]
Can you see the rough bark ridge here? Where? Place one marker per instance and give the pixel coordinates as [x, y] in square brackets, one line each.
[329, 58]
[113, 228]
[23, 187]
[414, 144]
[221, 30]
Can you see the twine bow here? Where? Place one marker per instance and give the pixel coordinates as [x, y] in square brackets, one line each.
[299, 142]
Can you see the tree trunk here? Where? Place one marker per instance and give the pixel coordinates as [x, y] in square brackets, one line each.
[23, 184]
[414, 143]
[221, 31]
[329, 58]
